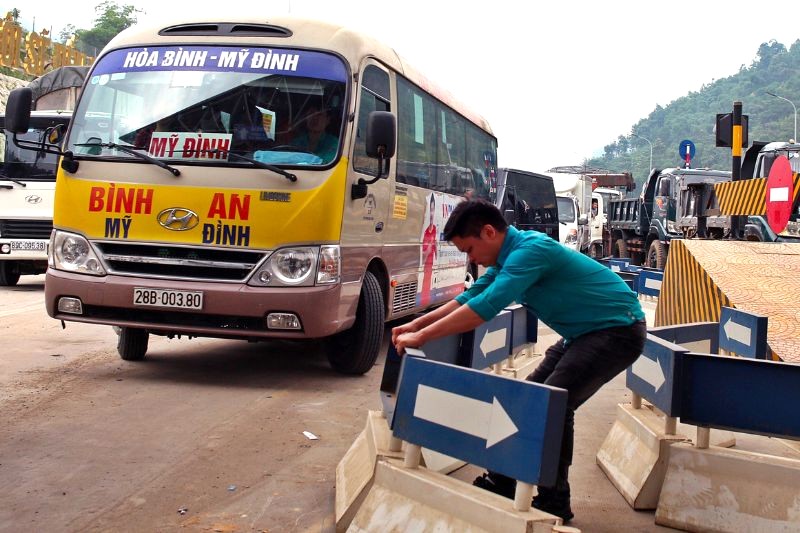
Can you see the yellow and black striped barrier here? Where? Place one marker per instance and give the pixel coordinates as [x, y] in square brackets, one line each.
[747, 197]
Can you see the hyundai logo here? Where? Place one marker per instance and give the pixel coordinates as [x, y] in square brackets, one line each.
[33, 199]
[178, 219]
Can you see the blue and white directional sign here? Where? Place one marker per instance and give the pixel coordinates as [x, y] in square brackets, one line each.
[741, 394]
[686, 149]
[652, 376]
[509, 426]
[524, 326]
[445, 349]
[743, 333]
[618, 265]
[650, 282]
[490, 342]
[697, 336]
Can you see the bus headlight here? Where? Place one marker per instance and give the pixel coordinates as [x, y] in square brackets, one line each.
[293, 266]
[299, 267]
[72, 252]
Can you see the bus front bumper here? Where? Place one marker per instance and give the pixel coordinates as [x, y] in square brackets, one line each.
[229, 310]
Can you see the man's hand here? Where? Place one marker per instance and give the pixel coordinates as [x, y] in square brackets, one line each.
[407, 340]
[404, 328]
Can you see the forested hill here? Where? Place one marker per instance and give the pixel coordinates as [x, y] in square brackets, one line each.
[775, 69]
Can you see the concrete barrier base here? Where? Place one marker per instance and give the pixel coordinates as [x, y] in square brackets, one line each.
[634, 455]
[721, 490]
[523, 363]
[402, 499]
[355, 471]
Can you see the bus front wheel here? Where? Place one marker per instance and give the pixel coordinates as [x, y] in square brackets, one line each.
[132, 343]
[354, 351]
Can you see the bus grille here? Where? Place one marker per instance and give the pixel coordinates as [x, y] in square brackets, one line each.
[25, 229]
[405, 296]
[178, 262]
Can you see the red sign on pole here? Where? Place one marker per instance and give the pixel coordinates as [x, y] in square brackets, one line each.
[780, 194]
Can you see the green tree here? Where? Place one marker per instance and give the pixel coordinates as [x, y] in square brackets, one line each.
[111, 19]
[774, 69]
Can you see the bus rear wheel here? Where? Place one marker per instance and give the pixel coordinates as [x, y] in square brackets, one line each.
[355, 351]
[132, 343]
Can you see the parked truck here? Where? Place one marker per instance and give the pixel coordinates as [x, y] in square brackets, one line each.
[641, 228]
[606, 186]
[574, 198]
[28, 176]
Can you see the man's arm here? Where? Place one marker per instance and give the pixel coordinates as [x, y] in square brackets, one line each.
[458, 321]
[425, 320]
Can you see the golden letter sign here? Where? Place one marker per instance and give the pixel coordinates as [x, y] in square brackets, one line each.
[40, 53]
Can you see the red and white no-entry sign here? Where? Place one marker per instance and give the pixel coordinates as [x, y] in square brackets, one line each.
[780, 194]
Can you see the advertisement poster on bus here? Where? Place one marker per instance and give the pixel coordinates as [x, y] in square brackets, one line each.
[442, 266]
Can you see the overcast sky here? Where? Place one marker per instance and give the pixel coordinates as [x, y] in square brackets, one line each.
[557, 81]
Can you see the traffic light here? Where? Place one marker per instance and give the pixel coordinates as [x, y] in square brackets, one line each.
[724, 130]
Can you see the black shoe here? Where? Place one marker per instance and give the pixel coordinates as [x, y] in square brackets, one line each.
[496, 483]
[555, 506]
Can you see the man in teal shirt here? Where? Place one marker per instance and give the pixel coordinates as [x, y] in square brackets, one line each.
[598, 317]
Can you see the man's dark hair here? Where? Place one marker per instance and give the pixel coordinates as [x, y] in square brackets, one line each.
[469, 217]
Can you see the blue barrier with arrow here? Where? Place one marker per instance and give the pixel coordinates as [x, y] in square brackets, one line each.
[509, 426]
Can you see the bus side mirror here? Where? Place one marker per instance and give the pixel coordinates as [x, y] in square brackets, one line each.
[381, 139]
[381, 134]
[18, 110]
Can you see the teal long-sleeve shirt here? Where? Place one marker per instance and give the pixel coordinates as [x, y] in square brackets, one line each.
[570, 292]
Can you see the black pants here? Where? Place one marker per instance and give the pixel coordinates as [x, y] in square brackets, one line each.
[582, 367]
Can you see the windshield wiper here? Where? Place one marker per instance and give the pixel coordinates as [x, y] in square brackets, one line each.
[133, 152]
[288, 175]
[9, 178]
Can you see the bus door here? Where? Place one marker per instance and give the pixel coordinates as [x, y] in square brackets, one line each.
[365, 218]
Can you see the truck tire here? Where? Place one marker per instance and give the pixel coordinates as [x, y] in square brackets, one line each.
[621, 249]
[132, 343]
[657, 255]
[9, 274]
[354, 351]
[596, 251]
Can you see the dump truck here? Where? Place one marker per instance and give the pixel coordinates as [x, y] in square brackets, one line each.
[668, 207]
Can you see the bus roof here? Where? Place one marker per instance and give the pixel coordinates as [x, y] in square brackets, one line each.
[302, 33]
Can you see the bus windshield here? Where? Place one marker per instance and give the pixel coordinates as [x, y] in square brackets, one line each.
[210, 104]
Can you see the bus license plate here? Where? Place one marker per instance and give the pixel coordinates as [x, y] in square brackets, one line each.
[27, 246]
[143, 296]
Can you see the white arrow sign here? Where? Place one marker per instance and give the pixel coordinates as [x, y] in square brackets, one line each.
[651, 283]
[493, 340]
[650, 371]
[737, 332]
[480, 419]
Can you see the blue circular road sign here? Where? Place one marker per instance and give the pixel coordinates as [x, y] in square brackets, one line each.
[686, 147]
